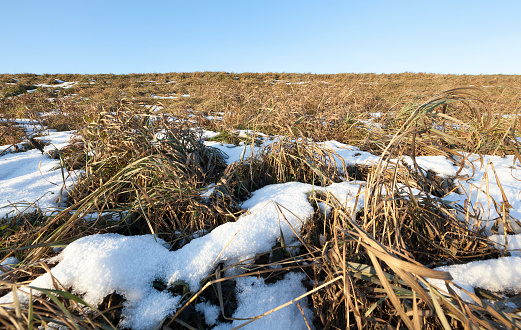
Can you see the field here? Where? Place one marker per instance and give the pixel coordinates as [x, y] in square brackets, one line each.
[220, 200]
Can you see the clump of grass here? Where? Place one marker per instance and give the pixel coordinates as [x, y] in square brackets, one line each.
[376, 283]
[151, 170]
[152, 166]
[424, 229]
[66, 114]
[377, 255]
[50, 309]
[425, 216]
[13, 91]
[284, 160]
[453, 121]
[10, 133]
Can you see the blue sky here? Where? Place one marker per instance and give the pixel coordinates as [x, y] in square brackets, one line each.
[458, 36]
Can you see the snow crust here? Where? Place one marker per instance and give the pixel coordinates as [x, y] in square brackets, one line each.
[477, 186]
[99, 265]
[483, 191]
[163, 97]
[8, 264]
[234, 153]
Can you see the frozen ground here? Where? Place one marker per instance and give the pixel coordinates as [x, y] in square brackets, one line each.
[101, 264]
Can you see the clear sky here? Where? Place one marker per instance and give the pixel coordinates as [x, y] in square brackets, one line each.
[73, 36]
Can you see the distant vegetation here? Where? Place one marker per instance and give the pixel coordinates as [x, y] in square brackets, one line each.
[322, 106]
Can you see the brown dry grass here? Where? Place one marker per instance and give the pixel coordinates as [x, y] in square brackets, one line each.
[369, 264]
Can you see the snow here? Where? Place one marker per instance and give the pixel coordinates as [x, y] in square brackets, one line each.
[483, 190]
[440, 165]
[272, 210]
[513, 243]
[208, 134]
[213, 117]
[29, 179]
[208, 191]
[477, 183]
[351, 155]
[8, 264]
[509, 115]
[154, 108]
[497, 275]
[97, 265]
[256, 298]
[163, 97]
[234, 153]
[30, 126]
[209, 311]
[61, 84]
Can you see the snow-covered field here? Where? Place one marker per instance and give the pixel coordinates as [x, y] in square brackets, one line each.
[101, 264]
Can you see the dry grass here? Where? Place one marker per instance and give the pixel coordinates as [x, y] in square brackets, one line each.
[284, 160]
[368, 266]
[51, 309]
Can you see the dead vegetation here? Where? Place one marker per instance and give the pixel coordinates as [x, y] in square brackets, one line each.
[368, 268]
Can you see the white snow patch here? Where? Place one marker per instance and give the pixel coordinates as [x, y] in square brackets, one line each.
[351, 155]
[208, 191]
[99, 265]
[208, 134]
[29, 179]
[441, 165]
[513, 243]
[256, 298]
[480, 182]
[62, 84]
[163, 97]
[234, 153]
[8, 264]
[209, 311]
[497, 275]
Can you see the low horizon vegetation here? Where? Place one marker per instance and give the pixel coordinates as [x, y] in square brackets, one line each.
[142, 156]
